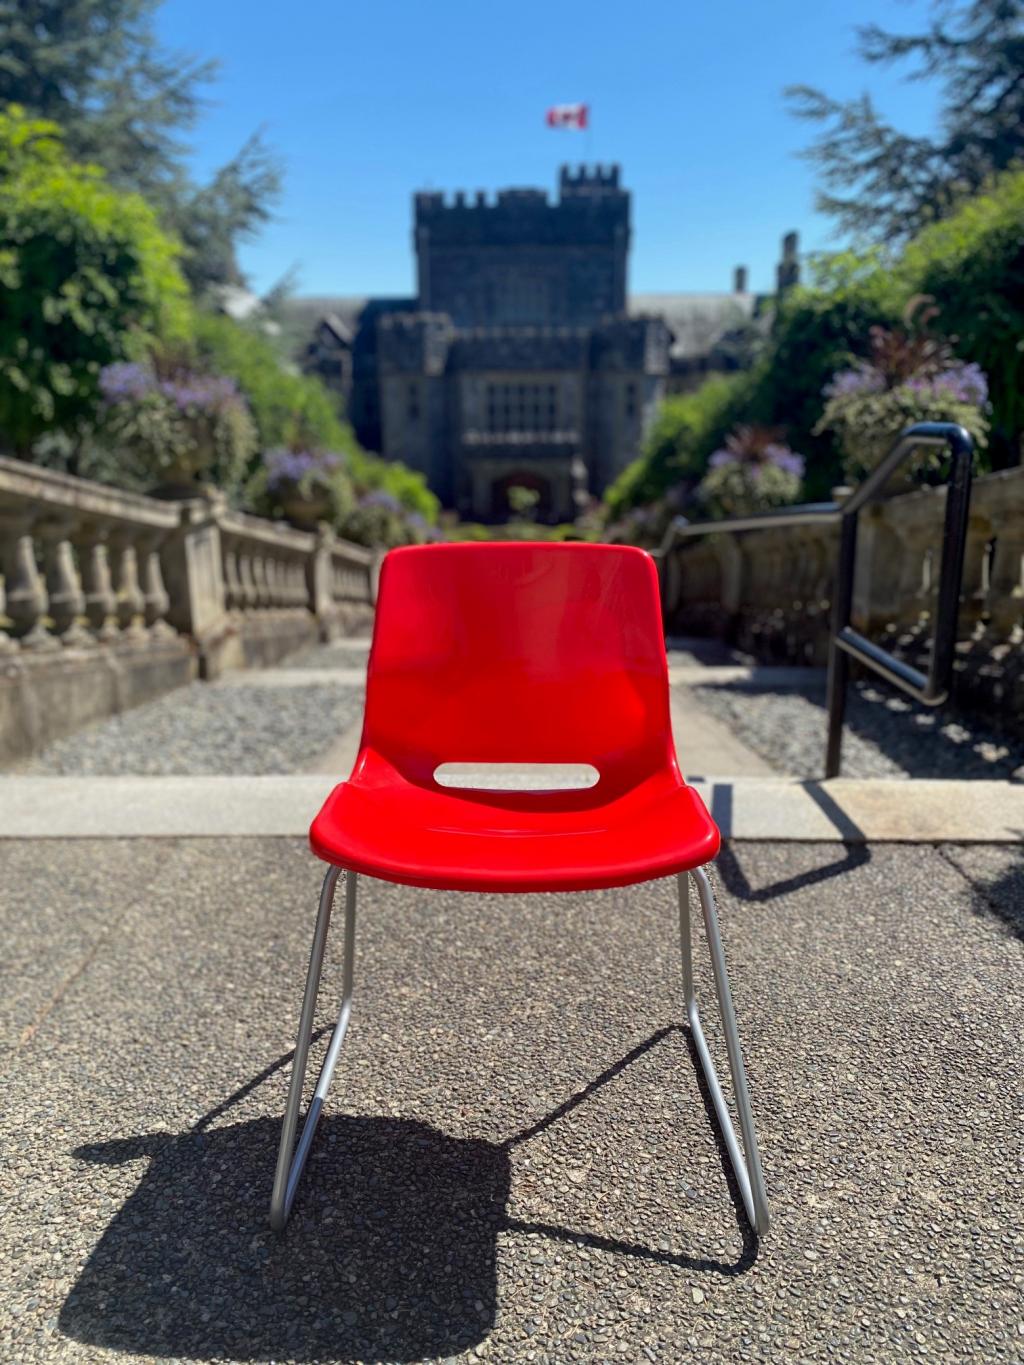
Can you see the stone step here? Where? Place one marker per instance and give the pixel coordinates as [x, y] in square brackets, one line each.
[846, 810]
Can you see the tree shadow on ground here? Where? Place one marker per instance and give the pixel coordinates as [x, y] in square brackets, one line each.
[1001, 897]
[390, 1254]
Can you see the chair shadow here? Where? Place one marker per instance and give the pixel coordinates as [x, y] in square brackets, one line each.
[390, 1254]
[736, 882]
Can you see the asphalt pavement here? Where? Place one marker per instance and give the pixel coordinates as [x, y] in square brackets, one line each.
[518, 1161]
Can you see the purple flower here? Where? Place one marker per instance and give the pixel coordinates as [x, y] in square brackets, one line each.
[126, 382]
[861, 379]
[379, 498]
[785, 459]
[208, 393]
[958, 384]
[291, 466]
[964, 384]
[779, 455]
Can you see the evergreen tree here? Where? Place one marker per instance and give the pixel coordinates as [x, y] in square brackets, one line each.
[95, 67]
[885, 185]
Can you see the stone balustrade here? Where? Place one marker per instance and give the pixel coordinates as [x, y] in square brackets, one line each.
[108, 598]
[766, 585]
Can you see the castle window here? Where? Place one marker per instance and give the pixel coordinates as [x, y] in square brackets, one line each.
[412, 403]
[631, 401]
[522, 408]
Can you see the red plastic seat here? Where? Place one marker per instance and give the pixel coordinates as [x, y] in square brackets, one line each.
[516, 653]
[494, 654]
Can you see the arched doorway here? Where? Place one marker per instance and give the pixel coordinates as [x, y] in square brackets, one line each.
[503, 506]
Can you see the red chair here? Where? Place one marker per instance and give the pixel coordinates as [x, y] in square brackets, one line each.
[517, 654]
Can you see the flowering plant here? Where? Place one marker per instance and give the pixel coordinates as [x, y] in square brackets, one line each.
[304, 483]
[909, 376]
[379, 518]
[177, 423]
[753, 472]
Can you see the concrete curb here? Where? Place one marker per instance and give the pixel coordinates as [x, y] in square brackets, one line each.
[845, 810]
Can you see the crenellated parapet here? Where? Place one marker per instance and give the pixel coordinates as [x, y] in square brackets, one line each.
[591, 208]
[589, 180]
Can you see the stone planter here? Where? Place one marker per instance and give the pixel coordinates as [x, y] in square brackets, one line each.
[306, 510]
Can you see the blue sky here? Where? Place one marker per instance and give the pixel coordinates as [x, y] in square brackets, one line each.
[368, 102]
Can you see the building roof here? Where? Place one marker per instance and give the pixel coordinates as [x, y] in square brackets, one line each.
[697, 321]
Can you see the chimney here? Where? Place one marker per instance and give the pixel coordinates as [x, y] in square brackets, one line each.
[788, 271]
[739, 280]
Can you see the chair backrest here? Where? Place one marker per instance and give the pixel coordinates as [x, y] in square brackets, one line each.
[530, 653]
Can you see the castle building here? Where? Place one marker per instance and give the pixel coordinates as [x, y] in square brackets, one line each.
[521, 362]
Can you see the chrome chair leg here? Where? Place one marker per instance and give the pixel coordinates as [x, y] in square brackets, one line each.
[748, 1172]
[289, 1167]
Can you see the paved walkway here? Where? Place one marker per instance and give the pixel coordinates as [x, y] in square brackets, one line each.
[518, 1162]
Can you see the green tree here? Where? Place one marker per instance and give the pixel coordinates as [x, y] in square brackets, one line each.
[287, 407]
[125, 103]
[885, 185]
[87, 276]
[972, 264]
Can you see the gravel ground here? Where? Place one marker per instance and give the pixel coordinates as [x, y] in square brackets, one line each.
[207, 728]
[517, 1163]
[887, 735]
[338, 654]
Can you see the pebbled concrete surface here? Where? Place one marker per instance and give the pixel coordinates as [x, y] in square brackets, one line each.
[517, 1163]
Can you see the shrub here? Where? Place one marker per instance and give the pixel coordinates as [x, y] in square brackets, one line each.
[87, 277]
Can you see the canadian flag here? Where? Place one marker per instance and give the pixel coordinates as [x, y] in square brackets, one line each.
[567, 116]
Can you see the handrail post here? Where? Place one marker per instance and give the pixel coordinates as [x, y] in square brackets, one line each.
[838, 660]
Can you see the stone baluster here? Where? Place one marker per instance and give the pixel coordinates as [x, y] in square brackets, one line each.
[883, 564]
[131, 601]
[234, 594]
[300, 593]
[63, 584]
[155, 596]
[1006, 592]
[25, 590]
[270, 579]
[288, 580]
[100, 600]
[975, 590]
[259, 578]
[7, 644]
[249, 593]
[275, 581]
[918, 519]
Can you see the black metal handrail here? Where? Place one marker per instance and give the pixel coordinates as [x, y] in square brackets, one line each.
[844, 642]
